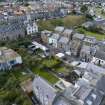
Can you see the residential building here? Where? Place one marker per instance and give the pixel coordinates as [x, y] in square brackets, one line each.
[79, 95]
[68, 33]
[85, 90]
[8, 58]
[98, 22]
[11, 31]
[91, 67]
[64, 99]
[88, 88]
[75, 47]
[78, 37]
[91, 89]
[101, 84]
[59, 29]
[99, 58]
[88, 24]
[43, 91]
[53, 40]
[89, 96]
[76, 44]
[101, 46]
[64, 44]
[86, 53]
[88, 40]
[45, 36]
[88, 78]
[31, 28]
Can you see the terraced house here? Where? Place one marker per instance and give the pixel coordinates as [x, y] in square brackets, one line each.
[11, 31]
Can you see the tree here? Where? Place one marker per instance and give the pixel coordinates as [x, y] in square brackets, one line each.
[89, 17]
[84, 9]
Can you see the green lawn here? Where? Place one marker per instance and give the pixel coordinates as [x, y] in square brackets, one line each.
[88, 33]
[50, 62]
[46, 75]
[63, 70]
[68, 21]
[36, 64]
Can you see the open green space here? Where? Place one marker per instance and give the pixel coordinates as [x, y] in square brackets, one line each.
[35, 63]
[68, 22]
[63, 69]
[50, 62]
[93, 34]
[46, 75]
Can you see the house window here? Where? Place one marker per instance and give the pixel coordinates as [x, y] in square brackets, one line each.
[29, 32]
[61, 45]
[19, 36]
[12, 62]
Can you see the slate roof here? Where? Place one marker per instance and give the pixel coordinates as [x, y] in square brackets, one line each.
[86, 49]
[62, 100]
[87, 24]
[11, 27]
[100, 54]
[78, 36]
[68, 31]
[7, 55]
[90, 39]
[70, 91]
[82, 92]
[101, 84]
[59, 29]
[91, 78]
[44, 89]
[100, 22]
[94, 98]
[64, 40]
[55, 36]
[90, 67]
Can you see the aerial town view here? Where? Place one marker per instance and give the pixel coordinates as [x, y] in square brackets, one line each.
[52, 52]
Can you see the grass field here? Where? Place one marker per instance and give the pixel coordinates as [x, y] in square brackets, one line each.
[93, 34]
[46, 75]
[50, 62]
[68, 21]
